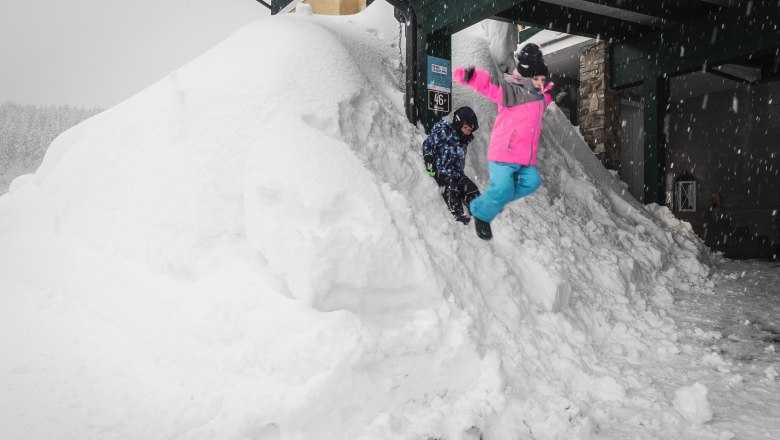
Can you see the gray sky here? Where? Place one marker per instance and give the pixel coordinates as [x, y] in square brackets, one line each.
[100, 52]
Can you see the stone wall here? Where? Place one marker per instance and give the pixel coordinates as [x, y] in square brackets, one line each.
[599, 109]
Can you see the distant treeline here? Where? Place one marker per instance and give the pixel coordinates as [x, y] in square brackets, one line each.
[26, 131]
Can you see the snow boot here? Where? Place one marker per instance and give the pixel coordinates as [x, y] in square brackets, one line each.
[483, 229]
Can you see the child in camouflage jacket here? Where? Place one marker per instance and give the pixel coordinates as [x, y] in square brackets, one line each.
[444, 152]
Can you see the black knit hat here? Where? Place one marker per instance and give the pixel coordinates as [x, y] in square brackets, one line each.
[465, 115]
[530, 61]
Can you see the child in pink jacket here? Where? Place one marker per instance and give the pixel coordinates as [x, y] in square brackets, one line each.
[522, 98]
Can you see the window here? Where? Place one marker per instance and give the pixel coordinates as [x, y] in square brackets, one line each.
[686, 196]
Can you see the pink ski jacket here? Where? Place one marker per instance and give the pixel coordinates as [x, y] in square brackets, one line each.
[518, 125]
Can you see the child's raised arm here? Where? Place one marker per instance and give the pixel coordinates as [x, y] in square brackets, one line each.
[481, 82]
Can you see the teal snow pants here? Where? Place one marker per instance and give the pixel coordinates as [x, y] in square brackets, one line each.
[508, 182]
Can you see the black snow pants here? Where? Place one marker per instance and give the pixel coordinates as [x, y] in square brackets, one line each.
[457, 191]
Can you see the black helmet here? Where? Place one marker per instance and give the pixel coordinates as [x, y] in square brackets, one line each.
[465, 115]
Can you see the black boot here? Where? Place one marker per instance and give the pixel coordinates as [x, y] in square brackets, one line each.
[464, 219]
[483, 229]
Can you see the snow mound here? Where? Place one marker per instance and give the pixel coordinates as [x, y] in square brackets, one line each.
[251, 249]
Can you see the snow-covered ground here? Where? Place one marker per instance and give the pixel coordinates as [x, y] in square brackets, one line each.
[251, 249]
[733, 338]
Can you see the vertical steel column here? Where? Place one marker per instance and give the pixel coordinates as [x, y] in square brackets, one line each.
[438, 44]
[407, 12]
[656, 108]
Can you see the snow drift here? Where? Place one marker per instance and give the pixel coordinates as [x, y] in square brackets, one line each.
[251, 249]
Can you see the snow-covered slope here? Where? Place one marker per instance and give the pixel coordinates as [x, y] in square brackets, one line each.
[251, 249]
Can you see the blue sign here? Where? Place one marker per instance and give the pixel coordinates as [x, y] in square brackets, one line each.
[439, 74]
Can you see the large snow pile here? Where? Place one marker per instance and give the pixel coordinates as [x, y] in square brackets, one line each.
[251, 249]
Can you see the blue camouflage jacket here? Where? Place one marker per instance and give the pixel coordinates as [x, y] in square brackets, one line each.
[449, 147]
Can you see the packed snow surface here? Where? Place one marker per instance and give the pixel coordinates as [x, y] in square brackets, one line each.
[250, 248]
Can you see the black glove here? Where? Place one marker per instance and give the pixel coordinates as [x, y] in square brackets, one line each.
[468, 72]
[429, 164]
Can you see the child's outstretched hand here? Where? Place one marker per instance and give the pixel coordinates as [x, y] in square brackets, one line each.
[468, 72]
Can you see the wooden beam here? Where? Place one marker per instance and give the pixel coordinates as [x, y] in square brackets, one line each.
[572, 21]
[714, 39]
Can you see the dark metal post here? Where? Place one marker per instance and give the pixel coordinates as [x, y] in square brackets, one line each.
[656, 107]
[405, 9]
[437, 44]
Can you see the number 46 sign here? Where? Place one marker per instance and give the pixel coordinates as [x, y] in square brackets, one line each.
[439, 84]
[438, 101]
